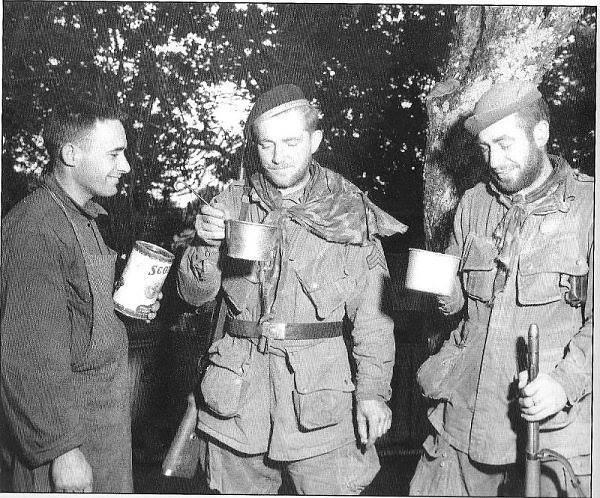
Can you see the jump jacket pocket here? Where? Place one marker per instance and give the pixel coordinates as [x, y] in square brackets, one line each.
[223, 386]
[324, 387]
[437, 373]
[543, 272]
[478, 267]
[327, 296]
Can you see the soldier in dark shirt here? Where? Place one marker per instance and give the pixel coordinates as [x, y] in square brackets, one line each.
[64, 375]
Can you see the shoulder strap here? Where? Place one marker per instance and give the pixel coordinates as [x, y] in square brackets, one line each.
[218, 331]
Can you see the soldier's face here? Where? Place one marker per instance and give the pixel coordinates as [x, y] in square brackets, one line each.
[514, 155]
[285, 148]
[100, 160]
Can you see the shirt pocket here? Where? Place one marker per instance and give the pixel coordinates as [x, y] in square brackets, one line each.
[479, 267]
[224, 386]
[543, 273]
[323, 385]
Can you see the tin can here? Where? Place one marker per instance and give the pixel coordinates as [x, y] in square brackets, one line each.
[144, 275]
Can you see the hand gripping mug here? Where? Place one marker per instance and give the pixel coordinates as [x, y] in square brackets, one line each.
[142, 279]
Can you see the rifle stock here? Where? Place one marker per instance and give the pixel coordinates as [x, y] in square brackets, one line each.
[184, 452]
[182, 457]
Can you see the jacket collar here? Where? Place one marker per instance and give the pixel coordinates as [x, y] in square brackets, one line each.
[90, 210]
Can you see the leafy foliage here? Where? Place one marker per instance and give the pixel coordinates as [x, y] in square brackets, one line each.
[174, 67]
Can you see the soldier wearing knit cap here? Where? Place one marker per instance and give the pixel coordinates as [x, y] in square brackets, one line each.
[525, 239]
[278, 394]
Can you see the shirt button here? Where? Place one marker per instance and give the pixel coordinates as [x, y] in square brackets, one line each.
[579, 262]
[442, 464]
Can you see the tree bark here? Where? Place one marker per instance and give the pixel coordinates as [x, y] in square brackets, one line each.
[491, 43]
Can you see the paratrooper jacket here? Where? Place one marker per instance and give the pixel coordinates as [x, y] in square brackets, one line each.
[478, 413]
[295, 401]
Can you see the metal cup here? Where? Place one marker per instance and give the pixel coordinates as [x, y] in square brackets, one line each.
[250, 241]
[431, 272]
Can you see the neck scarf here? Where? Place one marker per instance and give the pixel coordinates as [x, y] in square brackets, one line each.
[547, 198]
[331, 208]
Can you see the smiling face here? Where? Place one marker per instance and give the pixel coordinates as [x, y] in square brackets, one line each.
[516, 156]
[285, 148]
[99, 160]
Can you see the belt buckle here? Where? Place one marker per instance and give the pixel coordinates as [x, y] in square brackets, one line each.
[273, 330]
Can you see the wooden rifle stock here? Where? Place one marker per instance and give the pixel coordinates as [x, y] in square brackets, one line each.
[182, 457]
[183, 454]
[532, 457]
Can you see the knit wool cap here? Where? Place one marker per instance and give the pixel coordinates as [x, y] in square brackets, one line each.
[500, 101]
[279, 99]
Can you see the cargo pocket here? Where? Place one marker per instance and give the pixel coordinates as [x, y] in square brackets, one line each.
[478, 267]
[542, 276]
[436, 372]
[223, 385]
[323, 386]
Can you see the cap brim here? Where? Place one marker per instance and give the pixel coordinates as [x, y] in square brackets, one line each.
[479, 122]
[286, 106]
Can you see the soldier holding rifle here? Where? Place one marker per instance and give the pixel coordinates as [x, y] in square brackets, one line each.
[525, 240]
[278, 393]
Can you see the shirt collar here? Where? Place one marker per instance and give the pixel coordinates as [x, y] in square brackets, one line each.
[91, 209]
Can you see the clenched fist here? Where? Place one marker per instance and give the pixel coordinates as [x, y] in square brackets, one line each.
[210, 224]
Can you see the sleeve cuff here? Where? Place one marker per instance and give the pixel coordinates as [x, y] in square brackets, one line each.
[573, 389]
[362, 394]
[48, 455]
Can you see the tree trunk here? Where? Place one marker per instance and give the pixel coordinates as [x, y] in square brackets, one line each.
[491, 43]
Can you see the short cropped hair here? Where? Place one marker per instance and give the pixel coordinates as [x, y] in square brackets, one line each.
[71, 122]
[532, 114]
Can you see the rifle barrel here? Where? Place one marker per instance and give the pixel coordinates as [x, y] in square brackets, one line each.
[532, 462]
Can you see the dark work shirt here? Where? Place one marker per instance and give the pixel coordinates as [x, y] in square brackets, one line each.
[46, 320]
